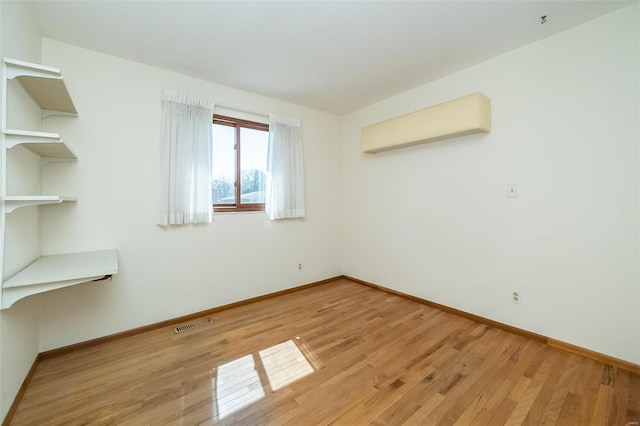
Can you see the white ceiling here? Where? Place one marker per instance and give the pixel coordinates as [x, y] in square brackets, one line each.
[333, 56]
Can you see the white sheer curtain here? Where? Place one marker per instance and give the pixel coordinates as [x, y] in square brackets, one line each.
[185, 159]
[285, 169]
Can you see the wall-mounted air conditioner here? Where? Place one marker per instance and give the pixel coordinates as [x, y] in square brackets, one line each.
[462, 116]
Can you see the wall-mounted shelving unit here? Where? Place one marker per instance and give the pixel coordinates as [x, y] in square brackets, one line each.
[46, 145]
[13, 202]
[47, 88]
[44, 84]
[58, 271]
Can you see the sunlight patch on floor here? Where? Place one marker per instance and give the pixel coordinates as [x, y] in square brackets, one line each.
[237, 385]
[248, 379]
[284, 364]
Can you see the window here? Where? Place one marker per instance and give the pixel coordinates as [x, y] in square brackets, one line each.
[239, 164]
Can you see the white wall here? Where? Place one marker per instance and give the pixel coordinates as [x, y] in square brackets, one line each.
[168, 272]
[19, 330]
[433, 220]
[430, 220]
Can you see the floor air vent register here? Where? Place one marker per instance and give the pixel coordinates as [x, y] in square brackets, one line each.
[192, 325]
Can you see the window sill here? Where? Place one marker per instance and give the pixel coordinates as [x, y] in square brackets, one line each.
[234, 211]
[243, 208]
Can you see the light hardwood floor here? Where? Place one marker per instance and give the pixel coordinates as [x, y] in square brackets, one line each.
[339, 353]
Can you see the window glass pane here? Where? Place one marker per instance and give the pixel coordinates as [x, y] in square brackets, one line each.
[224, 165]
[253, 167]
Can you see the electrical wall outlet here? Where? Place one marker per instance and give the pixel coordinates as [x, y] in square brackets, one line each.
[515, 297]
[299, 266]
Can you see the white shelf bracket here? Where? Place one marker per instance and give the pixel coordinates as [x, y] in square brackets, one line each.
[15, 137]
[17, 69]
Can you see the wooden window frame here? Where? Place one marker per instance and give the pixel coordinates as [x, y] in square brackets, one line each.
[238, 124]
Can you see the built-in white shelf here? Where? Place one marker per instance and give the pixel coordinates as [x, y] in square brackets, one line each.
[58, 271]
[13, 202]
[44, 84]
[46, 145]
[47, 88]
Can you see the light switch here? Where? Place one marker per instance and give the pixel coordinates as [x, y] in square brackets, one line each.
[512, 190]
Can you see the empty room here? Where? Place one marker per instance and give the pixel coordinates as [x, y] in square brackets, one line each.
[320, 212]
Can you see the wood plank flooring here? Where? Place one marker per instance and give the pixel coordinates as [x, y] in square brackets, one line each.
[340, 353]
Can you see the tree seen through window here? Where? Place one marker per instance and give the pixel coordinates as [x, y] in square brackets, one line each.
[239, 164]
